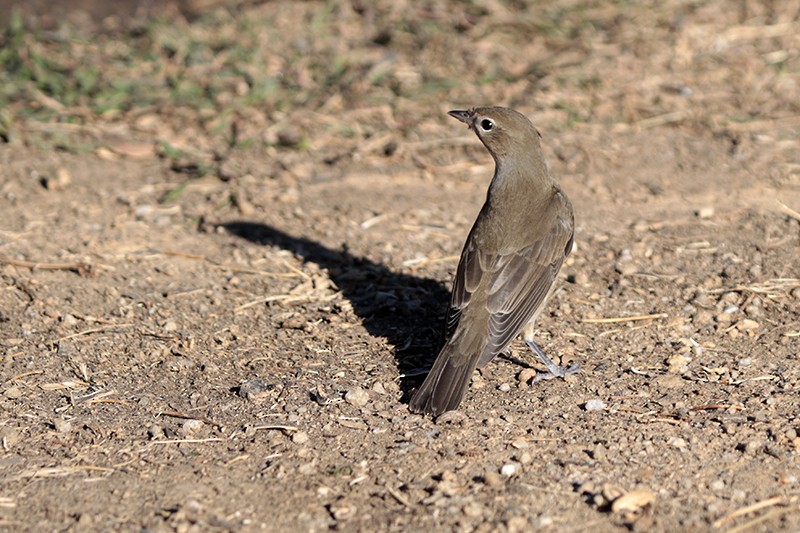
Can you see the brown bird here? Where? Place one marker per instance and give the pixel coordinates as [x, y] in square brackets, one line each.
[509, 263]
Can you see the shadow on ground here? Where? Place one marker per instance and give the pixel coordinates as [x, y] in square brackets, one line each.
[406, 310]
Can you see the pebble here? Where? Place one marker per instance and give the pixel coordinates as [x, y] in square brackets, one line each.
[473, 510]
[492, 478]
[357, 396]
[677, 442]
[753, 446]
[254, 388]
[705, 212]
[9, 437]
[595, 404]
[301, 437]
[716, 485]
[677, 364]
[62, 426]
[155, 432]
[191, 426]
[747, 324]
[61, 181]
[504, 387]
[13, 393]
[526, 375]
[509, 469]
[516, 524]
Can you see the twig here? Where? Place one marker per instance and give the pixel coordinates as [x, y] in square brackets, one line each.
[414, 264]
[186, 441]
[763, 504]
[397, 496]
[78, 267]
[717, 406]
[93, 397]
[26, 374]
[58, 471]
[660, 120]
[286, 298]
[788, 210]
[283, 427]
[614, 320]
[184, 416]
[96, 330]
[758, 520]
[175, 253]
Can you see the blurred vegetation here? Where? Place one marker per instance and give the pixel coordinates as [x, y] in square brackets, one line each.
[233, 73]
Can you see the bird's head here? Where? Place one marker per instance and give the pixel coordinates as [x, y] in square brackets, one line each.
[502, 130]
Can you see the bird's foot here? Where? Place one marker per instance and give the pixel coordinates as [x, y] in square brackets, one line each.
[553, 370]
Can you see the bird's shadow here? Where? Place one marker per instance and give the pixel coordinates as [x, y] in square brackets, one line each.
[407, 310]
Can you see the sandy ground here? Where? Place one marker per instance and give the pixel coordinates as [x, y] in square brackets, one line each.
[234, 350]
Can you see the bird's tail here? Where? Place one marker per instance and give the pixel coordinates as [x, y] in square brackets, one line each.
[446, 384]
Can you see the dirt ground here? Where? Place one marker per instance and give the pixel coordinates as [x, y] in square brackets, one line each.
[215, 303]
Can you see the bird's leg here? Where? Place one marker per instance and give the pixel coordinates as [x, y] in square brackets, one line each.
[554, 371]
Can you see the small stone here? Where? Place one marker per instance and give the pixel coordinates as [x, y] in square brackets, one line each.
[677, 442]
[170, 325]
[477, 381]
[255, 389]
[155, 432]
[307, 469]
[61, 181]
[526, 375]
[525, 458]
[9, 437]
[300, 437]
[13, 393]
[509, 469]
[747, 325]
[504, 387]
[518, 524]
[595, 404]
[677, 364]
[724, 318]
[633, 501]
[745, 361]
[378, 387]
[753, 446]
[191, 426]
[716, 485]
[473, 510]
[357, 397]
[705, 212]
[62, 426]
[492, 479]
[520, 443]
[626, 268]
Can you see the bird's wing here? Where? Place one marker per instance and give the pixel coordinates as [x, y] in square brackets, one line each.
[519, 282]
[469, 273]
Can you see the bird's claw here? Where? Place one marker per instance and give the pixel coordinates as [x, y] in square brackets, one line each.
[553, 370]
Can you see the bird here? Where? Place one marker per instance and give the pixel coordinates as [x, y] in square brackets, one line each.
[509, 263]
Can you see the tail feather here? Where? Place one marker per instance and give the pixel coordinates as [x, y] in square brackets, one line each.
[445, 386]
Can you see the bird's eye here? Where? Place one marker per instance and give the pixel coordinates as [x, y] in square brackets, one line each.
[487, 125]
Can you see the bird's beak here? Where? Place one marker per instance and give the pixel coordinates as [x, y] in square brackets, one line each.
[464, 116]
